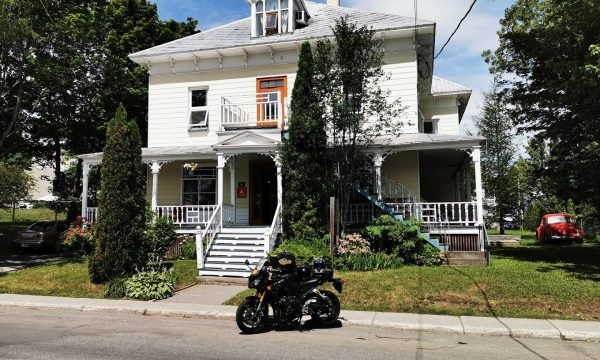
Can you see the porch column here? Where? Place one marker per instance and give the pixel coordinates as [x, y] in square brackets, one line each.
[84, 191]
[220, 166]
[232, 182]
[155, 168]
[458, 178]
[279, 181]
[468, 183]
[476, 155]
[378, 162]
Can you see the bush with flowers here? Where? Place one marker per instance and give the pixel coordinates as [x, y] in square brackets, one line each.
[80, 236]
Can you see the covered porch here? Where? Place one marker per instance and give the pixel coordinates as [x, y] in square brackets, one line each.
[240, 178]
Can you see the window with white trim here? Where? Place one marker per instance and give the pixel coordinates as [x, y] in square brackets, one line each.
[198, 118]
[430, 126]
[199, 185]
[272, 17]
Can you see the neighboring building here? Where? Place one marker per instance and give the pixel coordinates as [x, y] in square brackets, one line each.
[217, 111]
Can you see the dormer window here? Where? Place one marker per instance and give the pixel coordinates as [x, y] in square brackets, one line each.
[273, 16]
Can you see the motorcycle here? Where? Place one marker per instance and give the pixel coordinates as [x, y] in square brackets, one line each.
[291, 291]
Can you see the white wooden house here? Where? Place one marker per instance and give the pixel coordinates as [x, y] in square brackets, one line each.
[217, 110]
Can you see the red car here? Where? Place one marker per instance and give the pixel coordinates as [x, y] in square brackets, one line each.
[558, 227]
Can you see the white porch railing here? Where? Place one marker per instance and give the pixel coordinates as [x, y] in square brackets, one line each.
[256, 110]
[187, 214]
[91, 215]
[446, 213]
[208, 235]
[273, 231]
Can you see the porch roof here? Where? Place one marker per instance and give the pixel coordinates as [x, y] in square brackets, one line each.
[167, 153]
[405, 142]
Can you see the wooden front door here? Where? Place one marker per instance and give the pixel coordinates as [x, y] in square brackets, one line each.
[270, 103]
[263, 192]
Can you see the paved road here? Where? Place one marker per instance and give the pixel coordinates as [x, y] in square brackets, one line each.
[54, 334]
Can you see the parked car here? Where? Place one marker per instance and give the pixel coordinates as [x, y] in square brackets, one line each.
[42, 234]
[509, 225]
[560, 227]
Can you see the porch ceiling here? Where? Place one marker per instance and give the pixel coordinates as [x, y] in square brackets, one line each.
[169, 153]
[441, 163]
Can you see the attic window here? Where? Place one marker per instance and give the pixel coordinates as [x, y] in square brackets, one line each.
[272, 17]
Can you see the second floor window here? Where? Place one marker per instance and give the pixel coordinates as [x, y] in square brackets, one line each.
[198, 109]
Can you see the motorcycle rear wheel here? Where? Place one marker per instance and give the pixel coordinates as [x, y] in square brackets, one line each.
[247, 318]
[332, 306]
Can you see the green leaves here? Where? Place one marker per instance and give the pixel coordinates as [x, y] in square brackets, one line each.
[151, 285]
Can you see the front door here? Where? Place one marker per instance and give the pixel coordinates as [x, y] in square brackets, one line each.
[263, 192]
[270, 100]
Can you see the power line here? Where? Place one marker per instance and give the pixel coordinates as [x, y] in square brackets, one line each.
[455, 30]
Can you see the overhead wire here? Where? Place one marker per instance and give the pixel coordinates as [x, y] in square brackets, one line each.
[456, 29]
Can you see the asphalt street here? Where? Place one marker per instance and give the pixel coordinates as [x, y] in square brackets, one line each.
[59, 334]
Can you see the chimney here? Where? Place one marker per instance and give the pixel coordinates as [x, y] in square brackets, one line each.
[334, 2]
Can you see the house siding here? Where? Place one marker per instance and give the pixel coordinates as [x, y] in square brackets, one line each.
[168, 97]
[443, 108]
[404, 168]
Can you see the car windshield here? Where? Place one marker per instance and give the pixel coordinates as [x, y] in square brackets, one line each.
[558, 219]
[42, 226]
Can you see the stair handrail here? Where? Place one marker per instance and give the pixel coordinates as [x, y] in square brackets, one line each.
[394, 186]
[211, 230]
[273, 231]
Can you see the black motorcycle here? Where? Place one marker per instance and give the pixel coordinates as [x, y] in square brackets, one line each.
[291, 291]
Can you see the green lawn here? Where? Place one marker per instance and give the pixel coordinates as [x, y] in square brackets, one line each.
[28, 216]
[550, 281]
[70, 278]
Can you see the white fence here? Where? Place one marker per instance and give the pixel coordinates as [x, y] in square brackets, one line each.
[187, 214]
[256, 110]
[91, 215]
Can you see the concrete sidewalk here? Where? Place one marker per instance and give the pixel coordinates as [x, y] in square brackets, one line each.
[517, 328]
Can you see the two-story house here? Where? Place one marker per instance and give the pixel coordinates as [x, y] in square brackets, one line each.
[217, 111]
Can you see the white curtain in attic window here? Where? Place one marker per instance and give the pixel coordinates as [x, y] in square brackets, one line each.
[284, 21]
[272, 5]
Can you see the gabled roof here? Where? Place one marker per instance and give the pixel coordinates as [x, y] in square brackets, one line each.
[441, 86]
[247, 141]
[237, 34]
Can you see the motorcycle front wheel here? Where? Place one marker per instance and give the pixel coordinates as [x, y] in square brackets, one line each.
[330, 309]
[249, 318]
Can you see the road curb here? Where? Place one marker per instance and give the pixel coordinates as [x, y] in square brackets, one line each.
[472, 325]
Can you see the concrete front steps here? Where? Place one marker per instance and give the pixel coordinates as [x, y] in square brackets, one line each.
[231, 248]
[462, 258]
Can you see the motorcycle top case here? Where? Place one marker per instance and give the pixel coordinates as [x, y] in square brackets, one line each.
[285, 261]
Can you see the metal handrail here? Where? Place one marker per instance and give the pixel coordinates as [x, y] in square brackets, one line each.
[392, 189]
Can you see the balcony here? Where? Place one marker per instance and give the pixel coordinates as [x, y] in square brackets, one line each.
[260, 110]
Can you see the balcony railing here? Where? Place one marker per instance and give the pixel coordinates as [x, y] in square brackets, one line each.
[256, 110]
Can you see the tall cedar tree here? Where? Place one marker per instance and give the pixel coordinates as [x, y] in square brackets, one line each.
[121, 209]
[357, 110]
[549, 58]
[303, 156]
[497, 157]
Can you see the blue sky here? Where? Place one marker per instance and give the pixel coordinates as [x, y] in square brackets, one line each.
[460, 62]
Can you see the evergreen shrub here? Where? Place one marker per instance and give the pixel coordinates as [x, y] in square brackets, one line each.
[120, 238]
